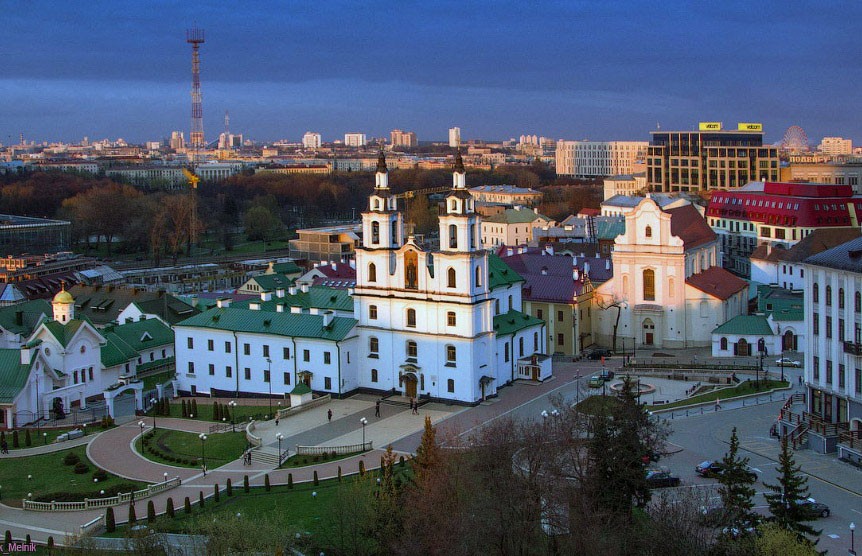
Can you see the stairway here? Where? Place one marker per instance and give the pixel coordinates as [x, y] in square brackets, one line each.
[265, 455]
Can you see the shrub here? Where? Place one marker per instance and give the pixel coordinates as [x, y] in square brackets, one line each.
[195, 407]
[132, 517]
[110, 523]
[332, 454]
[63, 496]
[339, 473]
[50, 544]
[169, 508]
[266, 482]
[316, 482]
[185, 410]
[8, 538]
[316, 458]
[151, 512]
[27, 539]
[2, 436]
[27, 440]
[187, 506]
[71, 458]
[225, 414]
[290, 480]
[401, 461]
[100, 474]
[245, 483]
[81, 468]
[215, 410]
[215, 492]
[361, 468]
[229, 488]
[15, 443]
[200, 499]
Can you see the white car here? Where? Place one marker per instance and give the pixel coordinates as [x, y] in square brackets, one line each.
[787, 362]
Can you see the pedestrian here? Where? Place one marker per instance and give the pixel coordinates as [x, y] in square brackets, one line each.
[415, 408]
[276, 421]
[377, 409]
[329, 415]
[4, 447]
[800, 379]
[717, 404]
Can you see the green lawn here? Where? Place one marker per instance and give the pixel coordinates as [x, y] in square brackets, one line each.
[741, 389]
[598, 404]
[50, 477]
[302, 461]
[151, 381]
[38, 437]
[240, 413]
[184, 449]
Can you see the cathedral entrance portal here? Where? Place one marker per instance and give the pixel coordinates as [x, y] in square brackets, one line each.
[649, 328]
[408, 381]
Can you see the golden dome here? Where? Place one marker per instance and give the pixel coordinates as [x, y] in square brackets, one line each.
[64, 297]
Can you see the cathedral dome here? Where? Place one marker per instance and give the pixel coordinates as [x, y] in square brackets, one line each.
[64, 297]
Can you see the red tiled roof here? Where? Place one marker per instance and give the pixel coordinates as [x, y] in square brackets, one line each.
[717, 282]
[342, 271]
[687, 224]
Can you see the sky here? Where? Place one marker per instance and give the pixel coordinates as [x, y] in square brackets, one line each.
[598, 70]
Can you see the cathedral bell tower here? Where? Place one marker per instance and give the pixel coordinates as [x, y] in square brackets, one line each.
[459, 227]
[382, 223]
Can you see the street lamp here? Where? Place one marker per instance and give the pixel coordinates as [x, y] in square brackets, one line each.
[45, 438]
[141, 424]
[364, 422]
[781, 361]
[852, 538]
[203, 438]
[152, 404]
[269, 381]
[232, 405]
[279, 437]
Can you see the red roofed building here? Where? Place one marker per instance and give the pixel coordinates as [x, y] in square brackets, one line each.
[668, 289]
[777, 214]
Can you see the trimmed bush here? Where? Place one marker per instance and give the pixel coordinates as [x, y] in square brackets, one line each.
[169, 508]
[50, 544]
[151, 512]
[339, 473]
[316, 482]
[332, 454]
[245, 483]
[110, 523]
[195, 407]
[401, 461]
[2, 436]
[132, 515]
[187, 506]
[215, 410]
[226, 413]
[81, 468]
[229, 487]
[200, 499]
[8, 537]
[290, 480]
[71, 458]
[27, 440]
[266, 482]
[216, 494]
[27, 539]
[100, 474]
[361, 468]
[185, 411]
[15, 442]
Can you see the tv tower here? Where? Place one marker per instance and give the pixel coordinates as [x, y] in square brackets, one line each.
[195, 37]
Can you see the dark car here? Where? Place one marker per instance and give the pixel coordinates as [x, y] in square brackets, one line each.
[716, 469]
[813, 509]
[597, 354]
[659, 479]
[607, 375]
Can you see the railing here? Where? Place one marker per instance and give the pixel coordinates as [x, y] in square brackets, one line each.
[93, 524]
[340, 450]
[282, 413]
[252, 438]
[797, 436]
[827, 429]
[92, 503]
[692, 366]
[853, 348]
[221, 427]
[851, 439]
[790, 417]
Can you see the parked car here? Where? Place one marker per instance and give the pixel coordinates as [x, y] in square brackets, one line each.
[597, 354]
[813, 509]
[607, 375]
[716, 468]
[659, 479]
[596, 381]
[787, 362]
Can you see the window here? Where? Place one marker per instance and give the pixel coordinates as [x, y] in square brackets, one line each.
[212, 369]
[412, 349]
[520, 347]
[246, 349]
[815, 321]
[560, 315]
[828, 296]
[453, 236]
[858, 381]
[857, 303]
[372, 272]
[327, 358]
[411, 318]
[373, 347]
[306, 355]
[266, 351]
[648, 231]
[723, 343]
[840, 330]
[285, 353]
[478, 277]
[190, 342]
[393, 238]
[506, 352]
[561, 339]
[535, 341]
[450, 318]
[840, 298]
[327, 383]
[286, 379]
[227, 347]
[210, 345]
[539, 314]
[828, 326]
[191, 367]
[451, 278]
[266, 375]
[842, 379]
[649, 285]
[372, 312]
[450, 386]
[815, 294]
[451, 354]
[373, 375]
[247, 373]
[76, 377]
[228, 372]
[496, 306]
[375, 233]
[828, 371]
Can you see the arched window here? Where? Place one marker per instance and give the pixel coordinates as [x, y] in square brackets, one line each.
[724, 344]
[625, 282]
[411, 318]
[372, 272]
[373, 375]
[453, 236]
[394, 237]
[451, 354]
[828, 296]
[520, 347]
[412, 349]
[648, 231]
[375, 232]
[478, 277]
[451, 277]
[670, 287]
[649, 285]
[377, 204]
[840, 298]
[815, 294]
[373, 346]
[858, 302]
[450, 386]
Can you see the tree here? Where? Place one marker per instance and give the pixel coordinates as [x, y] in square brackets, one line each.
[151, 512]
[775, 541]
[216, 494]
[229, 489]
[784, 498]
[245, 486]
[200, 499]
[388, 511]
[260, 223]
[132, 515]
[187, 506]
[266, 484]
[428, 452]
[736, 488]
[169, 508]
[110, 522]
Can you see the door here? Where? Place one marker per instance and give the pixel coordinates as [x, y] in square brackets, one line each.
[536, 373]
[827, 408]
[410, 387]
[648, 338]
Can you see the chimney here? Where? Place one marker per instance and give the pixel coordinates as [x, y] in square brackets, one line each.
[509, 252]
[223, 302]
[544, 271]
[254, 306]
[586, 268]
[575, 260]
[292, 290]
[270, 268]
[607, 264]
[279, 308]
[314, 310]
[279, 292]
[536, 210]
[304, 288]
[575, 273]
[265, 296]
[25, 354]
[334, 266]
[19, 318]
[316, 265]
[327, 318]
[352, 264]
[768, 248]
[296, 310]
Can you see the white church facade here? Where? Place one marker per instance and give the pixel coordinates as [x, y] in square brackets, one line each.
[440, 324]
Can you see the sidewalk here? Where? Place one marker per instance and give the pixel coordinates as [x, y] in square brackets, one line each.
[49, 448]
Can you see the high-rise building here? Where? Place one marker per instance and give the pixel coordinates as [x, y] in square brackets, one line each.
[311, 140]
[589, 159]
[178, 141]
[355, 140]
[454, 137]
[710, 158]
[403, 138]
[835, 145]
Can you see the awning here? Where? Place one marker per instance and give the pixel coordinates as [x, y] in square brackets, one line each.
[485, 380]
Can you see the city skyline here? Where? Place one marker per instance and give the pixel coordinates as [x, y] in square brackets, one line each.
[609, 72]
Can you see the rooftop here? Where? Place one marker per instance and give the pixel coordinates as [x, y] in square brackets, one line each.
[266, 322]
[717, 282]
[746, 325]
[847, 256]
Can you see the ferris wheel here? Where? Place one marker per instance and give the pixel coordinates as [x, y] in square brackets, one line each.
[795, 139]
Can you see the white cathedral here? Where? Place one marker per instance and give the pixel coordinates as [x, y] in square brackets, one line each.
[444, 325]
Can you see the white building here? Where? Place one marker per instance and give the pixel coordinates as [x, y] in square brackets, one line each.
[454, 137]
[355, 140]
[835, 146]
[311, 140]
[507, 195]
[630, 184]
[589, 159]
[512, 227]
[668, 289]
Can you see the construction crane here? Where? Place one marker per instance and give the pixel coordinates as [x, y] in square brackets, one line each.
[192, 177]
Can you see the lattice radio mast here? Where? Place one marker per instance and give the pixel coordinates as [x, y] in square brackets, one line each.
[195, 37]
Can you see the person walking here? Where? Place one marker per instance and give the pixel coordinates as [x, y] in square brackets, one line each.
[329, 415]
[4, 447]
[377, 409]
[717, 404]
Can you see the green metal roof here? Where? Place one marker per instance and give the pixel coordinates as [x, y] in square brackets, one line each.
[500, 274]
[320, 297]
[116, 351]
[13, 375]
[784, 305]
[610, 229]
[64, 332]
[288, 267]
[271, 282]
[145, 334]
[267, 322]
[31, 313]
[516, 216]
[513, 321]
[746, 325]
[301, 388]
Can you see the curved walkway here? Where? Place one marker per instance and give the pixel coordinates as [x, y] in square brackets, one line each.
[49, 448]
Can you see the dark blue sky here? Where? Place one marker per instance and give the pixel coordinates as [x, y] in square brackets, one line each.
[595, 69]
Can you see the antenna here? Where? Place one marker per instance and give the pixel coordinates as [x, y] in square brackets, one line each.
[195, 37]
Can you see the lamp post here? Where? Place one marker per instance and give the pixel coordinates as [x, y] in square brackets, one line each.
[269, 381]
[279, 437]
[153, 403]
[852, 539]
[141, 424]
[203, 438]
[781, 361]
[45, 438]
[578, 387]
[364, 422]
[232, 405]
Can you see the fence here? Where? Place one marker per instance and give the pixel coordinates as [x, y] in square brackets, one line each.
[75, 416]
[93, 524]
[92, 503]
[282, 413]
[708, 407]
[340, 450]
[253, 439]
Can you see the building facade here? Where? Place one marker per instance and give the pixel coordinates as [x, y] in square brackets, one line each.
[311, 140]
[507, 195]
[355, 140]
[454, 137]
[511, 227]
[400, 138]
[23, 234]
[835, 146]
[592, 159]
